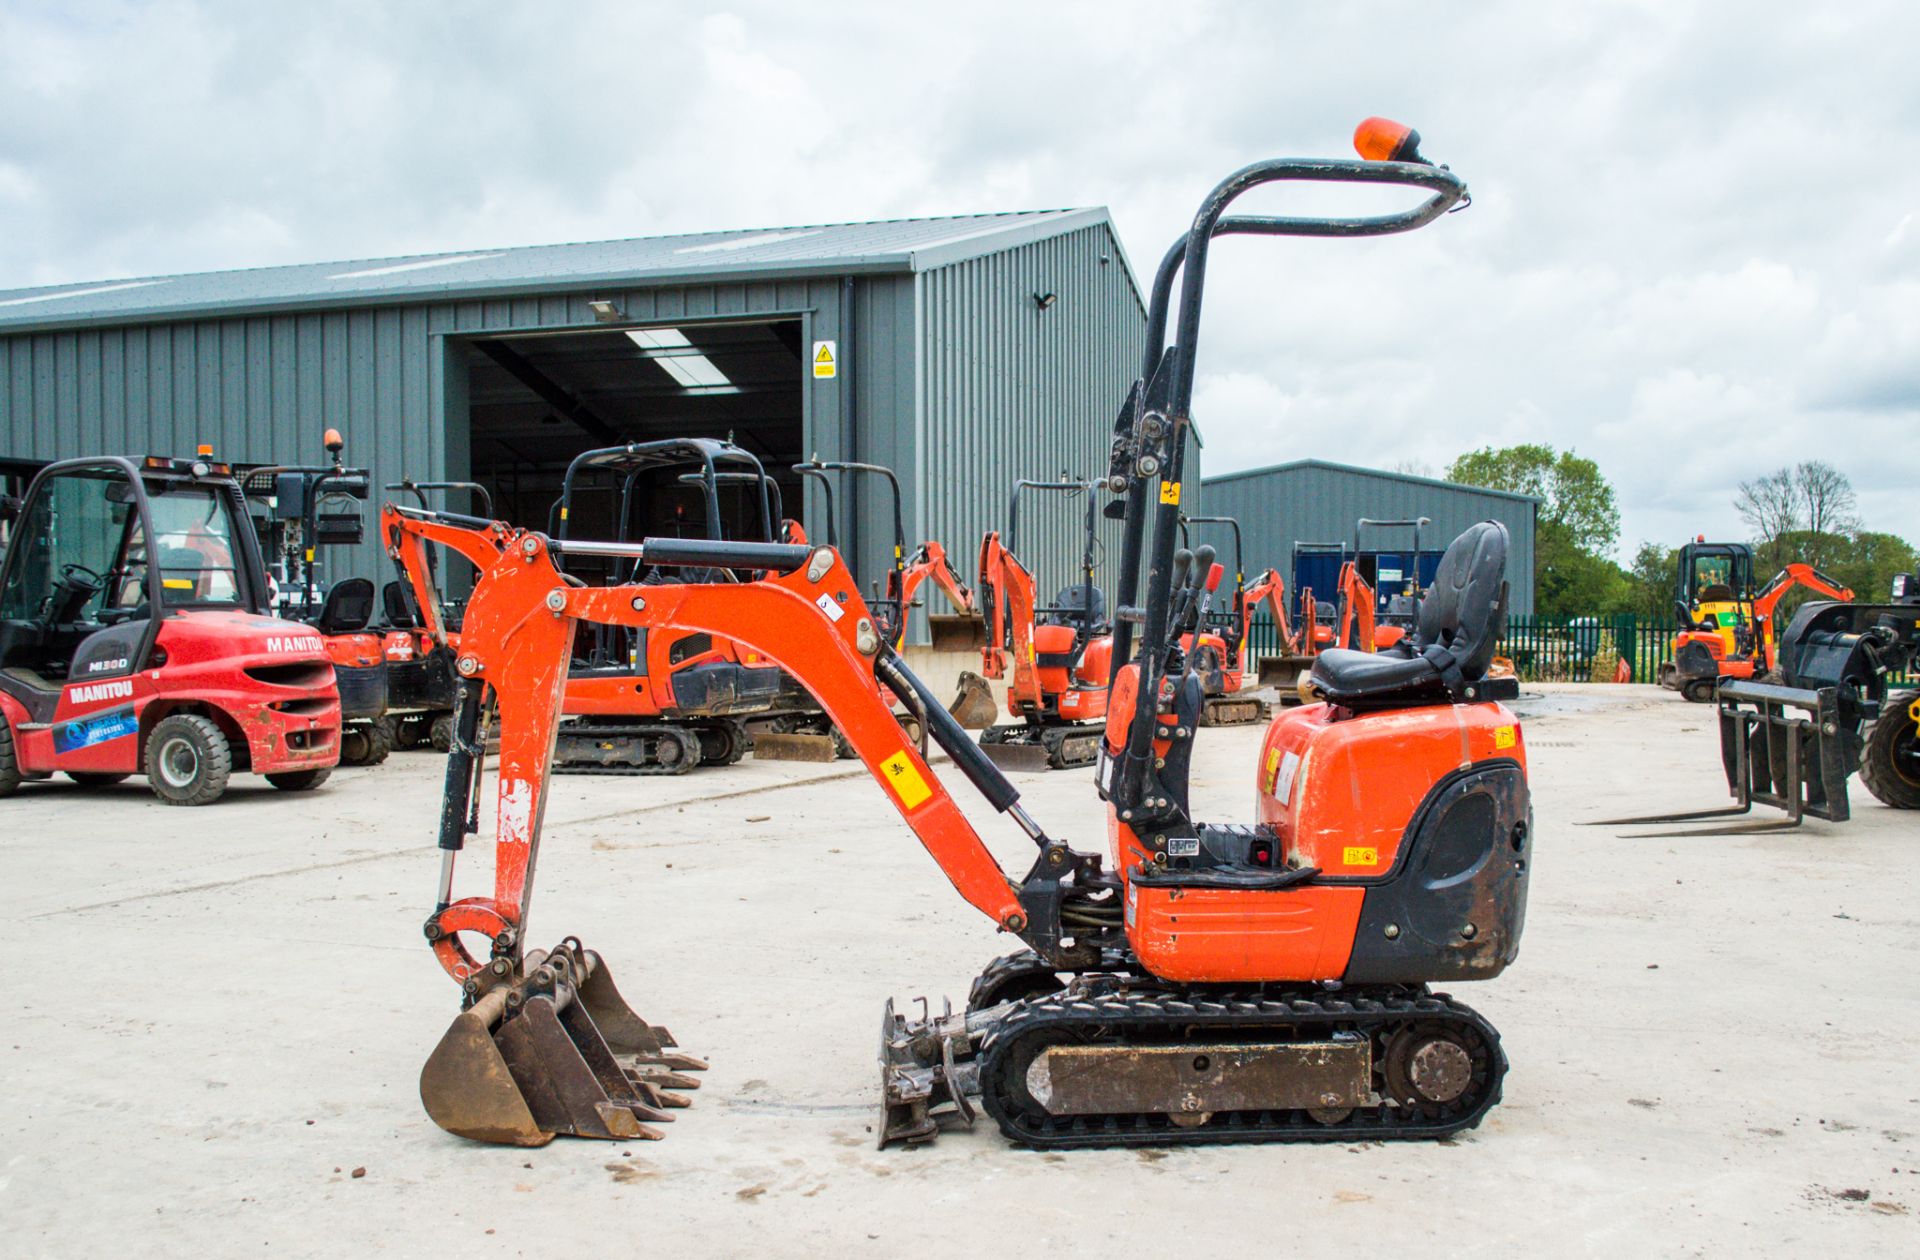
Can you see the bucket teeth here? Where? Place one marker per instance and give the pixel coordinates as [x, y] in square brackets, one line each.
[670, 1080]
[554, 1050]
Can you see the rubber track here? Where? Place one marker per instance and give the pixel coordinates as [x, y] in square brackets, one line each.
[1183, 1018]
[585, 766]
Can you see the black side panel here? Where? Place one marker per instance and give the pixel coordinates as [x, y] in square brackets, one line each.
[1694, 661]
[720, 688]
[110, 653]
[363, 690]
[1455, 907]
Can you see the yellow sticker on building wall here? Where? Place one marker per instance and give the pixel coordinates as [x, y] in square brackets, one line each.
[1362, 857]
[905, 780]
[1505, 737]
[1170, 493]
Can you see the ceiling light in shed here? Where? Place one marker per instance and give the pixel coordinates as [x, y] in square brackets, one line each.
[670, 348]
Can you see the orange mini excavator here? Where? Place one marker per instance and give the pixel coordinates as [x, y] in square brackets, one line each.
[1195, 982]
[1725, 627]
[1058, 653]
[1219, 647]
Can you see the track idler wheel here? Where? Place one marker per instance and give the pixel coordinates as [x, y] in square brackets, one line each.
[550, 1049]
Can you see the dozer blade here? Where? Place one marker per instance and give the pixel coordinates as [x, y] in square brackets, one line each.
[1017, 755]
[921, 1085]
[957, 632]
[974, 706]
[554, 1050]
[1236, 710]
[793, 746]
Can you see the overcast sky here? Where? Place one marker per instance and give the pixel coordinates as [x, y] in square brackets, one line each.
[1693, 253]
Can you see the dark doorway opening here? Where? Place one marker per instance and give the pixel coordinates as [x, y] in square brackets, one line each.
[535, 401]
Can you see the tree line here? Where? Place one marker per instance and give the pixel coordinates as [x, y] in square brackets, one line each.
[1806, 512]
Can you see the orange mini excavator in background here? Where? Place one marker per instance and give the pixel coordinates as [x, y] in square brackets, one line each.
[1196, 982]
[665, 702]
[893, 602]
[1058, 652]
[1219, 647]
[1726, 628]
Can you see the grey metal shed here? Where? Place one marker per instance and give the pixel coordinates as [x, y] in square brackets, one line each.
[1315, 501]
[965, 352]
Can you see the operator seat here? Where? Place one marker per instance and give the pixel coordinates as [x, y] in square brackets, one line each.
[348, 609]
[1069, 608]
[393, 601]
[1451, 648]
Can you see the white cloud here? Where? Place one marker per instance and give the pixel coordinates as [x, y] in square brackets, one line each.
[1692, 255]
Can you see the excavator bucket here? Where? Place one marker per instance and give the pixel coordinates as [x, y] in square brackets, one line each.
[973, 705]
[555, 1050]
[957, 632]
[1283, 673]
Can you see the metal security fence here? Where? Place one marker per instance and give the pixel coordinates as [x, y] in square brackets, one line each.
[1566, 649]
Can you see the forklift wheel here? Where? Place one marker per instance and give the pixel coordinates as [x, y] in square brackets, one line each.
[1890, 767]
[9, 768]
[299, 780]
[87, 779]
[188, 760]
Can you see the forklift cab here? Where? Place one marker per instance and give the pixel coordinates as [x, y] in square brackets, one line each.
[100, 545]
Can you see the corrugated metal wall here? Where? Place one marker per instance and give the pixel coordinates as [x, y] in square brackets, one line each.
[262, 389]
[1009, 390]
[955, 377]
[1278, 507]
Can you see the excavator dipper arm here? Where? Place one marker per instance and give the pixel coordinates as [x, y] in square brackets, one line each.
[1012, 600]
[805, 614]
[1793, 575]
[930, 562]
[1270, 588]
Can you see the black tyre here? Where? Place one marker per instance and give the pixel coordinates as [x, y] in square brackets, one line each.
[299, 780]
[442, 733]
[89, 779]
[1698, 690]
[188, 760]
[365, 744]
[9, 768]
[1890, 766]
[408, 733]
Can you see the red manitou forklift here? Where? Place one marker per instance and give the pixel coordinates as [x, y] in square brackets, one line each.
[311, 508]
[134, 638]
[1197, 982]
[1218, 650]
[1059, 652]
[1725, 626]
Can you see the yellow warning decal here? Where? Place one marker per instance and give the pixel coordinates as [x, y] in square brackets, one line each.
[1170, 493]
[1362, 857]
[1273, 770]
[177, 584]
[905, 780]
[1505, 737]
[826, 363]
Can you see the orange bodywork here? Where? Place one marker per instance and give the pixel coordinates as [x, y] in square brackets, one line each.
[1077, 691]
[1310, 763]
[930, 563]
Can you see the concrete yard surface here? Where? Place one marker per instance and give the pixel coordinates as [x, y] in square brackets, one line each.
[216, 1019]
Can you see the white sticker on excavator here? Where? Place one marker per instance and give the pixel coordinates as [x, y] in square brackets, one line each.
[516, 812]
[831, 606]
[1283, 782]
[1183, 846]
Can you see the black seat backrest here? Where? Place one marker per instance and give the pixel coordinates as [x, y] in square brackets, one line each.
[349, 607]
[1071, 602]
[1465, 610]
[393, 601]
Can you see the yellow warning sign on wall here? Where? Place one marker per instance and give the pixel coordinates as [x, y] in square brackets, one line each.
[826, 360]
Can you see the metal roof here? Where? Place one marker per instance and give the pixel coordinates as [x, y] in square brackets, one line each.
[1329, 465]
[891, 245]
